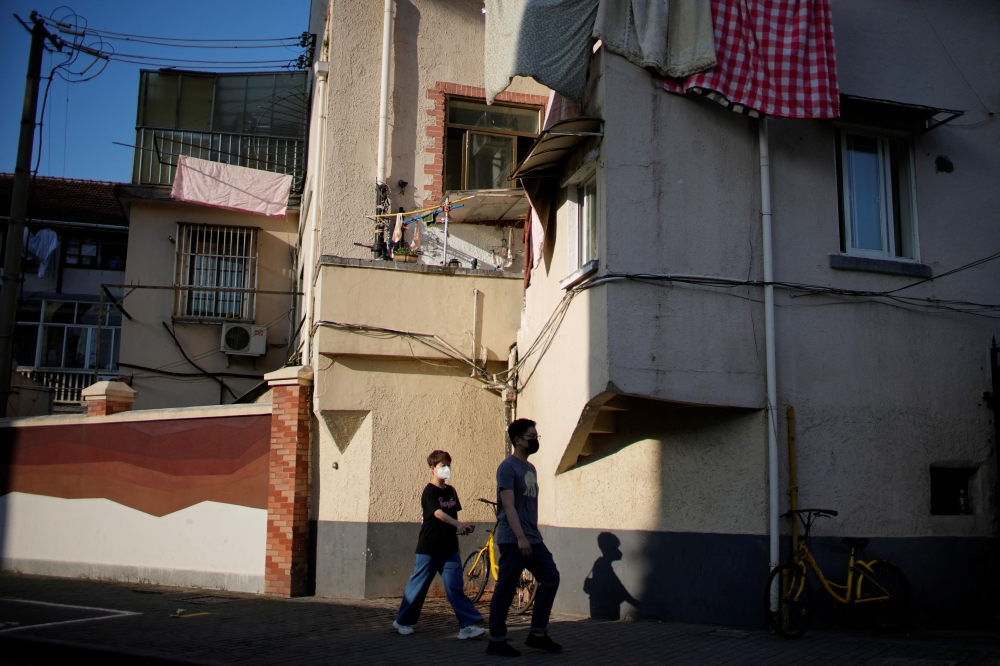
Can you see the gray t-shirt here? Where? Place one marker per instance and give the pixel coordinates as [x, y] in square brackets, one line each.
[520, 477]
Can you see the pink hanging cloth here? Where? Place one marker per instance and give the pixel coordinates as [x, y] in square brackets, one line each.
[775, 57]
[233, 187]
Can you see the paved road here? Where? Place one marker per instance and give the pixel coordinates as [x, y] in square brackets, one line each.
[62, 620]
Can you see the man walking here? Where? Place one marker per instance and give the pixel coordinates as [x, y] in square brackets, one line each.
[521, 545]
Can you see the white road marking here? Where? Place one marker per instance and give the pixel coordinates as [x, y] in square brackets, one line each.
[112, 613]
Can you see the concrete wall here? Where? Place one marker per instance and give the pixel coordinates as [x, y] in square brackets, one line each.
[152, 252]
[175, 497]
[383, 403]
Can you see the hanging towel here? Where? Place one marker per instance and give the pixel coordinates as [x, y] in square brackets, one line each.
[234, 187]
[674, 37]
[42, 246]
[690, 38]
[548, 40]
[776, 57]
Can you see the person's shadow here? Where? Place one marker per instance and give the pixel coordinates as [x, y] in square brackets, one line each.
[606, 591]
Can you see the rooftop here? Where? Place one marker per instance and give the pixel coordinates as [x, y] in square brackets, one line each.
[66, 200]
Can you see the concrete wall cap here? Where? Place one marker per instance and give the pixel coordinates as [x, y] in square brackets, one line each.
[301, 375]
[111, 391]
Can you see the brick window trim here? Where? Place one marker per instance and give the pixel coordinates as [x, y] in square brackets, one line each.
[434, 190]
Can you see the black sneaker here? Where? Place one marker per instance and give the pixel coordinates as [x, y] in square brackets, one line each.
[542, 642]
[501, 649]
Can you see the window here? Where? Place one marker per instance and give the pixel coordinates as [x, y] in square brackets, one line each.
[63, 334]
[209, 256]
[950, 490]
[484, 143]
[95, 254]
[583, 217]
[877, 204]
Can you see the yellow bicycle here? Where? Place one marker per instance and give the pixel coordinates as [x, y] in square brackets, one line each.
[484, 563]
[877, 589]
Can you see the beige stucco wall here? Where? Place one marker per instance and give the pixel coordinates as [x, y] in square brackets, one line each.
[151, 252]
[433, 40]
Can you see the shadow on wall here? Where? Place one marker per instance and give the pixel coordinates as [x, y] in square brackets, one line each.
[606, 591]
[406, 103]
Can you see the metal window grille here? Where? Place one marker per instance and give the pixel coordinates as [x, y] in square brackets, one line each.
[219, 257]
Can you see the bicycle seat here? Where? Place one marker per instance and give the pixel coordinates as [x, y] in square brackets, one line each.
[854, 542]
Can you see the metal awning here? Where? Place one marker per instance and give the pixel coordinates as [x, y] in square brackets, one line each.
[488, 205]
[866, 109]
[554, 145]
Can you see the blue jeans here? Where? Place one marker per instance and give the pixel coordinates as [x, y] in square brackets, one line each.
[450, 568]
[512, 563]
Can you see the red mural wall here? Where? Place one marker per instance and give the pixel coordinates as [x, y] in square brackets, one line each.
[153, 466]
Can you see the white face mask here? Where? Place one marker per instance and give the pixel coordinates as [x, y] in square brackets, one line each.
[443, 473]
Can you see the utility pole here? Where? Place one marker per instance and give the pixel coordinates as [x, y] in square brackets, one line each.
[10, 285]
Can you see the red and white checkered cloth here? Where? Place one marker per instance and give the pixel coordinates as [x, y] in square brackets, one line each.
[775, 57]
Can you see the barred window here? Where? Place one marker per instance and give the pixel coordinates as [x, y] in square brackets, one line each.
[215, 257]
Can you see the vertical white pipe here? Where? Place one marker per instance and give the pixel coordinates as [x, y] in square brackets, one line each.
[772, 392]
[383, 102]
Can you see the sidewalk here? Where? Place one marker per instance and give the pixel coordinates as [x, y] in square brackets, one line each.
[63, 620]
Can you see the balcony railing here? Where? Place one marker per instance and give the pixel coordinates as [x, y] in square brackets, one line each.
[157, 151]
[66, 384]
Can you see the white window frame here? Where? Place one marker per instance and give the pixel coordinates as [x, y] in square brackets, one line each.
[580, 210]
[237, 269]
[889, 241]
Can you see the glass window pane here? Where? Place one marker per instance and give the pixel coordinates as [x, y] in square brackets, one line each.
[260, 98]
[72, 253]
[230, 100]
[289, 112]
[76, 347]
[195, 109]
[25, 342]
[52, 346]
[86, 313]
[478, 114]
[902, 202]
[588, 219]
[490, 161]
[453, 160]
[59, 312]
[161, 100]
[113, 256]
[29, 310]
[863, 184]
[115, 348]
[114, 317]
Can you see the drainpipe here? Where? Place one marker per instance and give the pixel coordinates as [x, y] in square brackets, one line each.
[383, 104]
[772, 392]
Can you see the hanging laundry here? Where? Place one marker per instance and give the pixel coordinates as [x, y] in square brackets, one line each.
[673, 37]
[415, 241]
[42, 246]
[234, 187]
[397, 231]
[775, 57]
[548, 40]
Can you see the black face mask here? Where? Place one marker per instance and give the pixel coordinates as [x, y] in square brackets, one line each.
[532, 446]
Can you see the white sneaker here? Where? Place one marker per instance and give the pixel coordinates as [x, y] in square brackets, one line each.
[470, 632]
[402, 628]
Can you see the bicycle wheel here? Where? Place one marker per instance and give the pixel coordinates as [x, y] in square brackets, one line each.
[527, 588]
[476, 573]
[884, 580]
[788, 600]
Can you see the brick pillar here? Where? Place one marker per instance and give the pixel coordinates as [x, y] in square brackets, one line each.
[286, 564]
[107, 398]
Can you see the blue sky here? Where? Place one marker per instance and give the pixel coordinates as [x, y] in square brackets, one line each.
[83, 119]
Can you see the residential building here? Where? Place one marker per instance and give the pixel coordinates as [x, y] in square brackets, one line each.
[183, 346]
[651, 393]
[77, 240]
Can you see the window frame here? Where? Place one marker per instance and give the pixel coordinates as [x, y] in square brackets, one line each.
[887, 220]
[467, 130]
[588, 174]
[188, 270]
[112, 324]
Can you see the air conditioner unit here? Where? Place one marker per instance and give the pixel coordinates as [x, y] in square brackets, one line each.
[244, 339]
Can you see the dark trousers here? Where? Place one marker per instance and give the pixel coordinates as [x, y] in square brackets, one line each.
[512, 563]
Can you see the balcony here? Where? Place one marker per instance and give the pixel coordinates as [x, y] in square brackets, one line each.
[157, 151]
